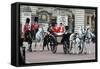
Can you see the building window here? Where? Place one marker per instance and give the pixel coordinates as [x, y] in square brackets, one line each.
[43, 16]
[87, 19]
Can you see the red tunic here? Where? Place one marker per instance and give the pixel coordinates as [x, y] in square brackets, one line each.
[35, 26]
[55, 29]
[60, 29]
[26, 28]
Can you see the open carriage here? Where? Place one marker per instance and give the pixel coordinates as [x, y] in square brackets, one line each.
[57, 39]
[72, 42]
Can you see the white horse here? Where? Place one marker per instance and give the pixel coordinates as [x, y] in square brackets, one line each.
[88, 39]
[71, 40]
[74, 43]
[82, 40]
[77, 41]
[39, 36]
[82, 33]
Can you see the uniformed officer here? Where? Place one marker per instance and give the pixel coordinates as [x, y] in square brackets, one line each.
[28, 33]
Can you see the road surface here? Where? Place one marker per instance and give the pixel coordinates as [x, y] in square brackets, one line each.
[37, 55]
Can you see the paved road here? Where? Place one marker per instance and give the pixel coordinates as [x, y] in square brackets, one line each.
[37, 55]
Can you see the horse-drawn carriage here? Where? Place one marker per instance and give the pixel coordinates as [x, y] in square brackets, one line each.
[69, 41]
[59, 38]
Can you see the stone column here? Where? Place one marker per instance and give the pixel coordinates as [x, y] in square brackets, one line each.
[79, 18]
[90, 21]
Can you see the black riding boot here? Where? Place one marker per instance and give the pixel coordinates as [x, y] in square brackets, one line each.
[48, 47]
[30, 48]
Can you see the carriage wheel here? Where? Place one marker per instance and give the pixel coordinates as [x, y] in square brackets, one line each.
[65, 48]
[53, 47]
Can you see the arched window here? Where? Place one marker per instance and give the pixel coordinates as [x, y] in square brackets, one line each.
[44, 16]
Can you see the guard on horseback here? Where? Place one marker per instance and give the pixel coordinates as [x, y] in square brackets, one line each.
[34, 27]
[27, 33]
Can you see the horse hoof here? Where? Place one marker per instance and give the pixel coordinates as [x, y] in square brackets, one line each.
[30, 50]
[85, 52]
[80, 52]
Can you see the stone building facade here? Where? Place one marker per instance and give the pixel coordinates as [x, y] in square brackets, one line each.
[73, 18]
